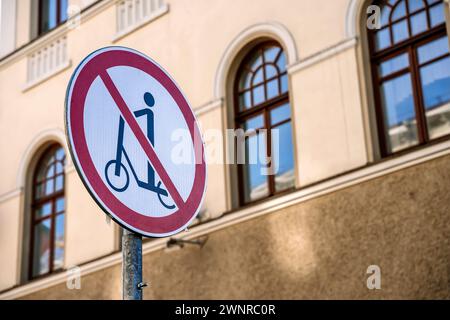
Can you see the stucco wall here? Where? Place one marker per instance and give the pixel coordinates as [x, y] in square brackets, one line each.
[318, 249]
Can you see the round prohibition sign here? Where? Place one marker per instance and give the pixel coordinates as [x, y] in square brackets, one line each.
[109, 68]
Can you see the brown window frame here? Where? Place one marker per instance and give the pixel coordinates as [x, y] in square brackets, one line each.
[264, 108]
[59, 20]
[37, 202]
[408, 46]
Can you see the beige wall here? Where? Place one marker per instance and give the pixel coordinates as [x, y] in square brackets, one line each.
[10, 240]
[328, 114]
[319, 249]
[23, 27]
[88, 234]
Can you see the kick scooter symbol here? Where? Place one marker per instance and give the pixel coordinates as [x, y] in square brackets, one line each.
[118, 166]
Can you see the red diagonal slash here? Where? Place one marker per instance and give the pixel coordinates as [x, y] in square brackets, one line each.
[142, 139]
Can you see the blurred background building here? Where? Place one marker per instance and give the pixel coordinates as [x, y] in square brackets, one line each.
[363, 116]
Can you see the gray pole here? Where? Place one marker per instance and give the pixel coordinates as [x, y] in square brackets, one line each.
[131, 265]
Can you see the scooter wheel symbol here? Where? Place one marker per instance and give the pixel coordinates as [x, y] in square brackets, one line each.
[168, 206]
[118, 180]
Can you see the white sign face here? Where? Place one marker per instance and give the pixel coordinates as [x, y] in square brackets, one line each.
[124, 120]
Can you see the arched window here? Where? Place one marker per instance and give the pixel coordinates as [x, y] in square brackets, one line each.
[47, 213]
[411, 73]
[262, 110]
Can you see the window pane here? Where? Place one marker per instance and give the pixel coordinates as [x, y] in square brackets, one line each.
[59, 205]
[385, 12]
[59, 183]
[255, 171]
[48, 15]
[437, 15]
[258, 95]
[59, 168]
[271, 71]
[255, 61]
[433, 50]
[58, 256]
[281, 62]
[44, 210]
[282, 157]
[44, 16]
[60, 154]
[51, 159]
[50, 171]
[41, 249]
[42, 173]
[49, 187]
[258, 77]
[284, 83]
[395, 64]
[435, 80]
[400, 31]
[399, 11]
[271, 53]
[280, 114]
[254, 123]
[39, 190]
[398, 104]
[44, 166]
[52, 14]
[63, 10]
[272, 89]
[245, 100]
[383, 39]
[244, 81]
[419, 23]
[415, 5]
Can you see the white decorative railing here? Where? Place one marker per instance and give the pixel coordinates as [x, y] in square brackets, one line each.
[133, 13]
[47, 61]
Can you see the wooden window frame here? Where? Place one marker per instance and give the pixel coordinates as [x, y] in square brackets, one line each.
[264, 108]
[36, 203]
[408, 46]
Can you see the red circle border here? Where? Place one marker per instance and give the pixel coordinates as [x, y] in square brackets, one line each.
[75, 110]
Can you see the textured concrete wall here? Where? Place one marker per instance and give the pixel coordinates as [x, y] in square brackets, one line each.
[317, 249]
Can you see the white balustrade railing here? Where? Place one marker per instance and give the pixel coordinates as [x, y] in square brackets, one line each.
[47, 60]
[132, 13]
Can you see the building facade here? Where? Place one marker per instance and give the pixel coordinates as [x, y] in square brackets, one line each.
[358, 90]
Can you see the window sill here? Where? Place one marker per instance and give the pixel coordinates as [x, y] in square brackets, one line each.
[155, 15]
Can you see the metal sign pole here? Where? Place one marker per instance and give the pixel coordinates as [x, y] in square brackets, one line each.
[131, 266]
